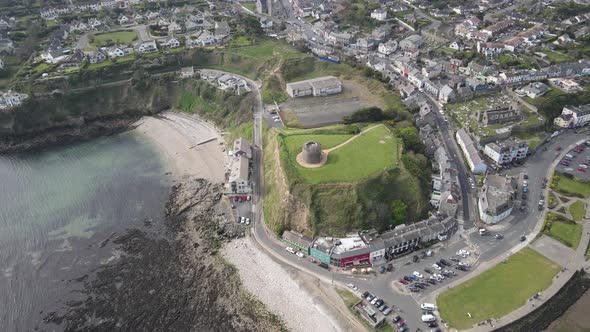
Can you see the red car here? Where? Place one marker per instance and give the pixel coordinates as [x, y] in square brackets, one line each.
[236, 198]
[558, 148]
[403, 281]
[581, 169]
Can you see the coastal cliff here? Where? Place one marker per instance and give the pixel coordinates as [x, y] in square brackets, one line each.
[64, 116]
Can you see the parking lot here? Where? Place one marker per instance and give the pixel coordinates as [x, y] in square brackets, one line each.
[405, 309]
[242, 208]
[577, 161]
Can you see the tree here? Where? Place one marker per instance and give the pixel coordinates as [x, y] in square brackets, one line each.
[399, 212]
[409, 136]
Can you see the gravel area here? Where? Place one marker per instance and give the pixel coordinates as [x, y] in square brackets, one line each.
[278, 289]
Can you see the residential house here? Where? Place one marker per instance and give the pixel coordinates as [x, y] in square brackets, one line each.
[507, 151]
[446, 94]
[116, 52]
[457, 45]
[573, 116]
[475, 162]
[222, 29]
[96, 56]
[187, 72]
[171, 42]
[490, 49]
[148, 47]
[513, 43]
[534, 90]
[413, 42]
[174, 27]
[242, 148]
[388, 47]
[11, 99]
[379, 14]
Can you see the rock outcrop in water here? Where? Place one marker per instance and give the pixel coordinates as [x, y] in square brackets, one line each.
[171, 282]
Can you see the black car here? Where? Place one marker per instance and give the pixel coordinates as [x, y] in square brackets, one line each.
[378, 303]
[390, 267]
[432, 324]
[445, 262]
[365, 294]
[419, 286]
[526, 177]
[408, 279]
[523, 196]
[460, 268]
[430, 281]
[522, 238]
[441, 263]
[455, 259]
[396, 318]
[429, 271]
[415, 259]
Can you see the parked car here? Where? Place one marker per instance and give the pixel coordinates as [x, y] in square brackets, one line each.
[387, 311]
[445, 262]
[418, 275]
[300, 254]
[390, 267]
[455, 259]
[403, 281]
[396, 318]
[289, 249]
[373, 301]
[415, 259]
[581, 169]
[498, 236]
[436, 267]
[429, 271]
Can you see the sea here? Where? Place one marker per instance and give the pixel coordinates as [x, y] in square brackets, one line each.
[59, 209]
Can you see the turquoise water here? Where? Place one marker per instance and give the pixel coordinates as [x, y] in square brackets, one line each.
[58, 206]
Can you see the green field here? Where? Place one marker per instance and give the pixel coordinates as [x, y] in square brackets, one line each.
[250, 5]
[497, 291]
[563, 230]
[569, 186]
[369, 154]
[578, 210]
[116, 37]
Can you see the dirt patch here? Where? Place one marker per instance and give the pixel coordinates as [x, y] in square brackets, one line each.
[302, 162]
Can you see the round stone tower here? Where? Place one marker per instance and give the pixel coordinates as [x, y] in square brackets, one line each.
[312, 152]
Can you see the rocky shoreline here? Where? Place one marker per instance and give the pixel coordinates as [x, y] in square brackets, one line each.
[77, 131]
[171, 279]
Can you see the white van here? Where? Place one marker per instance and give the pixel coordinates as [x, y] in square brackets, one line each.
[428, 318]
[427, 306]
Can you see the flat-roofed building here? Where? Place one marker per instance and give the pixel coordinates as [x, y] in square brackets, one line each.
[322, 86]
[507, 151]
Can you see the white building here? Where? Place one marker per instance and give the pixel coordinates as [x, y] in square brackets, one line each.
[388, 47]
[506, 151]
[379, 14]
[476, 164]
[239, 176]
[496, 199]
[148, 47]
[322, 86]
[11, 99]
[573, 116]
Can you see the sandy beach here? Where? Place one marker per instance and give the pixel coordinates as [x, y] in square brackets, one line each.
[192, 146]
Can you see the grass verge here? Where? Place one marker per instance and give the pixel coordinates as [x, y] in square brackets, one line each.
[578, 210]
[563, 230]
[497, 291]
[570, 186]
[551, 200]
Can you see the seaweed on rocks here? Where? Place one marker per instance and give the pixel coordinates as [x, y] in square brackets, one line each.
[171, 281]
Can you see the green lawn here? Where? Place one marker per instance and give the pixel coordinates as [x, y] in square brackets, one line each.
[371, 153]
[569, 186]
[497, 291]
[551, 200]
[240, 41]
[578, 210]
[189, 103]
[118, 37]
[249, 5]
[269, 49]
[563, 230]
